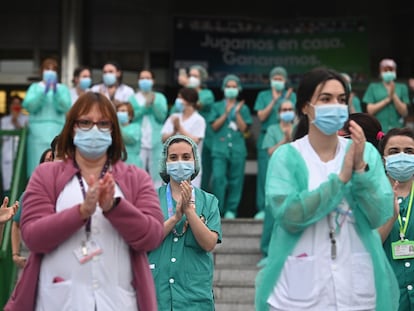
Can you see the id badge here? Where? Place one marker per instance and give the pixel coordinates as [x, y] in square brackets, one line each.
[402, 249]
[87, 251]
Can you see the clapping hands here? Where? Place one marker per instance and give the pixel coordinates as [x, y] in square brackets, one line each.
[6, 213]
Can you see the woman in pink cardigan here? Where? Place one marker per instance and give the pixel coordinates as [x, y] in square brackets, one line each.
[89, 221]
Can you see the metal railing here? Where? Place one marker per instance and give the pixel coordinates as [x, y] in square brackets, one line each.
[8, 270]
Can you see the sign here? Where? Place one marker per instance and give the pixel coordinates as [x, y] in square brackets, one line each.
[250, 49]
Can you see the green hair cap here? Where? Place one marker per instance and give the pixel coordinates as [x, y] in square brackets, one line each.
[231, 78]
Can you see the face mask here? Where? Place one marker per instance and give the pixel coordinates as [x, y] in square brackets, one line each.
[231, 92]
[123, 117]
[178, 104]
[388, 76]
[92, 143]
[193, 82]
[400, 166]
[180, 170]
[277, 85]
[287, 116]
[16, 109]
[49, 76]
[85, 83]
[329, 118]
[109, 78]
[145, 84]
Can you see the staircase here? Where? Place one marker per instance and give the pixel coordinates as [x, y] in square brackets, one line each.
[235, 264]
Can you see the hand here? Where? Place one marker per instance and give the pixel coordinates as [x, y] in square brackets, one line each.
[106, 192]
[182, 79]
[358, 141]
[229, 106]
[288, 93]
[19, 261]
[88, 206]
[149, 100]
[6, 213]
[347, 167]
[176, 124]
[239, 105]
[186, 191]
[391, 89]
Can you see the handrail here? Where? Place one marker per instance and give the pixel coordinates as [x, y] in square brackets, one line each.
[8, 270]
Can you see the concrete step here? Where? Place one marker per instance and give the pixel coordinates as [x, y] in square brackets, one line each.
[241, 227]
[238, 244]
[234, 294]
[223, 259]
[222, 306]
[235, 277]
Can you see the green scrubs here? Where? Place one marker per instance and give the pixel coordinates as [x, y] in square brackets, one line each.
[403, 268]
[47, 115]
[356, 103]
[388, 116]
[263, 99]
[182, 270]
[131, 135]
[229, 154]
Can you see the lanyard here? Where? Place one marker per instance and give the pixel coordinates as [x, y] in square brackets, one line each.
[403, 229]
[170, 210]
[82, 186]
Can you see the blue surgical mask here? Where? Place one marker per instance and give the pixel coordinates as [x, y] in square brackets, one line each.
[109, 78]
[123, 117]
[277, 85]
[400, 166]
[231, 92]
[93, 143]
[178, 104]
[180, 170]
[193, 82]
[85, 83]
[50, 76]
[287, 116]
[145, 85]
[329, 118]
[388, 76]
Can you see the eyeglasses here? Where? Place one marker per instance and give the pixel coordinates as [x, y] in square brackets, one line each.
[86, 125]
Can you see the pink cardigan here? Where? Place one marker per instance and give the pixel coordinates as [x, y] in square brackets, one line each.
[138, 218]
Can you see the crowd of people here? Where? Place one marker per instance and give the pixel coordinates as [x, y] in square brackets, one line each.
[141, 186]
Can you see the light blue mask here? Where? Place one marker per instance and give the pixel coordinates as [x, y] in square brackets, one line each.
[85, 83]
[123, 117]
[178, 104]
[277, 85]
[329, 118]
[287, 116]
[388, 76]
[180, 170]
[109, 78]
[400, 166]
[93, 143]
[231, 92]
[50, 76]
[145, 84]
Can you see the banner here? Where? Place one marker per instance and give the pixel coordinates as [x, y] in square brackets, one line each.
[250, 49]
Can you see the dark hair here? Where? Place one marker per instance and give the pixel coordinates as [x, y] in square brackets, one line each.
[50, 61]
[148, 70]
[117, 67]
[13, 97]
[307, 87]
[370, 125]
[405, 131]
[78, 70]
[44, 154]
[190, 95]
[83, 105]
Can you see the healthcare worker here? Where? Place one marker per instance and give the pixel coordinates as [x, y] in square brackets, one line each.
[197, 78]
[112, 86]
[387, 100]
[183, 266]
[150, 111]
[230, 119]
[47, 102]
[13, 121]
[82, 81]
[267, 105]
[131, 132]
